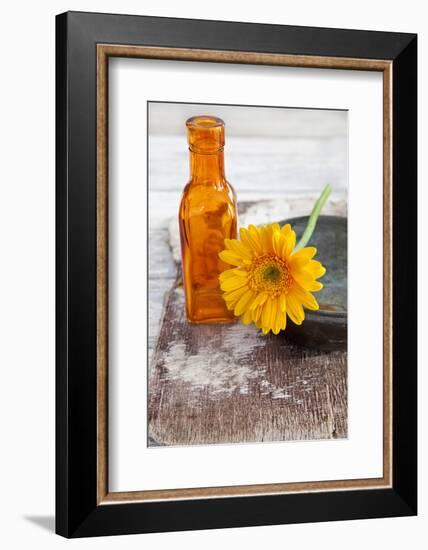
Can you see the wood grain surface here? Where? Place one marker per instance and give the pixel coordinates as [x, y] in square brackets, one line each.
[231, 384]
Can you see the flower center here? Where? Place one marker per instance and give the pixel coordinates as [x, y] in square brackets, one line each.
[269, 274]
[272, 273]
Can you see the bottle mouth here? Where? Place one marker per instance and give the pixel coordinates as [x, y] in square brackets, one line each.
[205, 134]
[204, 122]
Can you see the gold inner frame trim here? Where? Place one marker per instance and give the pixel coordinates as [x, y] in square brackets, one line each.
[104, 51]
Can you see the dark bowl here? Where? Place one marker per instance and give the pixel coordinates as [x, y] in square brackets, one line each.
[327, 328]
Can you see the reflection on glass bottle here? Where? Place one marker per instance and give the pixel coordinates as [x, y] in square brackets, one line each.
[207, 216]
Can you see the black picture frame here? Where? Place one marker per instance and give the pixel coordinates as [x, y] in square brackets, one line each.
[77, 512]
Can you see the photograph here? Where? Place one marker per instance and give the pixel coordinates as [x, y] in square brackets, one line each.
[247, 274]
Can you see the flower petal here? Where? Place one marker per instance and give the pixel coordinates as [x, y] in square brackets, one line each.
[307, 252]
[304, 297]
[289, 244]
[247, 318]
[315, 268]
[231, 258]
[266, 312]
[285, 229]
[274, 309]
[228, 274]
[306, 281]
[266, 239]
[243, 302]
[259, 300]
[296, 264]
[282, 302]
[277, 243]
[233, 297]
[233, 283]
[295, 310]
[284, 322]
[256, 314]
[280, 321]
[239, 248]
[240, 272]
[251, 238]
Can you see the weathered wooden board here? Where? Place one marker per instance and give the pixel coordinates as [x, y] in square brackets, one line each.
[231, 384]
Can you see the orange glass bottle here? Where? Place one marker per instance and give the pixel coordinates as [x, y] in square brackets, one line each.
[207, 216]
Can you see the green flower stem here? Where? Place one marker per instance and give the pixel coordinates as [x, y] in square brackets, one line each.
[312, 222]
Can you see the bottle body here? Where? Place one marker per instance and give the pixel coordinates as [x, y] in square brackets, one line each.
[207, 216]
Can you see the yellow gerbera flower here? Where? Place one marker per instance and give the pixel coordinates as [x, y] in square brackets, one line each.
[269, 280]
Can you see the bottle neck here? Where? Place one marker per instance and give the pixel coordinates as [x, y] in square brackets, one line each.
[207, 168]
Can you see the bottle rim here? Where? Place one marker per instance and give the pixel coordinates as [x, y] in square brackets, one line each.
[204, 122]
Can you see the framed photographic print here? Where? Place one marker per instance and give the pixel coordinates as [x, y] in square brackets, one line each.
[236, 274]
